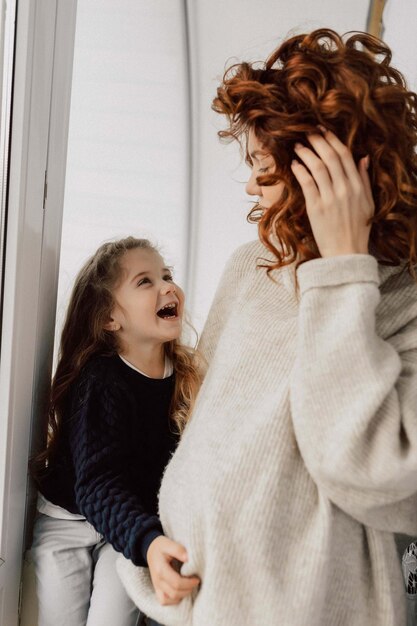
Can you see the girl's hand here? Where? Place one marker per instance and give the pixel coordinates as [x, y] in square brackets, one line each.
[338, 195]
[170, 587]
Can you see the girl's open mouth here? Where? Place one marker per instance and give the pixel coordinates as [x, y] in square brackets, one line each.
[169, 311]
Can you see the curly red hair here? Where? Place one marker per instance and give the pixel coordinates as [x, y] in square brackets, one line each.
[347, 85]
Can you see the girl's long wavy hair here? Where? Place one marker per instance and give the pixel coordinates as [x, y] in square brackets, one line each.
[346, 84]
[84, 336]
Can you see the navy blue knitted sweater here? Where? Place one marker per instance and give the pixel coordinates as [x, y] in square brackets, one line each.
[116, 439]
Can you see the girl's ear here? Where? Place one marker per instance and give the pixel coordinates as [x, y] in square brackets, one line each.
[112, 325]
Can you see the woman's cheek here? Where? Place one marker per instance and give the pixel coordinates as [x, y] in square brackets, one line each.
[272, 193]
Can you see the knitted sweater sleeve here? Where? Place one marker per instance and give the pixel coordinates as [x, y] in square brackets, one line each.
[98, 436]
[354, 393]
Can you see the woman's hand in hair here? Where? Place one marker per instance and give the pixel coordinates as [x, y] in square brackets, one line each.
[338, 195]
[163, 556]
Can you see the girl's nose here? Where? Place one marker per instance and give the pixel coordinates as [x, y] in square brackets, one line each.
[252, 188]
[167, 288]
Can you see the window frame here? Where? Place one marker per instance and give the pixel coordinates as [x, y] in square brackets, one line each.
[44, 47]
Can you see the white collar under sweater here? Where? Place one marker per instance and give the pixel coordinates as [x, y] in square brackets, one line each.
[300, 460]
[168, 367]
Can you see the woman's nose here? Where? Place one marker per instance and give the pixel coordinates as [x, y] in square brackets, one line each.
[252, 188]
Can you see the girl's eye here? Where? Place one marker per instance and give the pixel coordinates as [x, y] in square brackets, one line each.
[168, 277]
[143, 281]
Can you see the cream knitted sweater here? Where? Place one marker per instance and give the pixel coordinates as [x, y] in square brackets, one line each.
[300, 460]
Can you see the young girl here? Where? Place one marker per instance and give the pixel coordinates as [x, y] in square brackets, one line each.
[122, 391]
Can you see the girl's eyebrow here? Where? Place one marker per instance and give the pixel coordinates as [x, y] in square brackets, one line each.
[139, 274]
[164, 269]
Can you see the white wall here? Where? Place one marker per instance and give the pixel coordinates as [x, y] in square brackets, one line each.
[128, 168]
[400, 33]
[224, 32]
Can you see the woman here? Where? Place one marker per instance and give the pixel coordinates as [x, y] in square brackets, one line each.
[300, 461]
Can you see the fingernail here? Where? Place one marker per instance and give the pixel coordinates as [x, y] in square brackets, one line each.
[322, 128]
[298, 146]
[294, 162]
[367, 161]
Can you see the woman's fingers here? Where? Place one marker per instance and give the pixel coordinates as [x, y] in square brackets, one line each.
[337, 193]
[307, 184]
[364, 175]
[317, 168]
[333, 170]
[345, 156]
[331, 159]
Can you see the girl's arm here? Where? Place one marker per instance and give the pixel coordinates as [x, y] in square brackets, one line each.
[98, 434]
[99, 442]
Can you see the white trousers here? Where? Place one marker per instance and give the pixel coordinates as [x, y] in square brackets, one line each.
[76, 579]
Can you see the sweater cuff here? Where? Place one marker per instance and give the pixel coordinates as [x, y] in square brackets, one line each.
[337, 270]
[146, 542]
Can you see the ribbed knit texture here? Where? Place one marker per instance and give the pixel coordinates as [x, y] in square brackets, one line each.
[300, 460]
